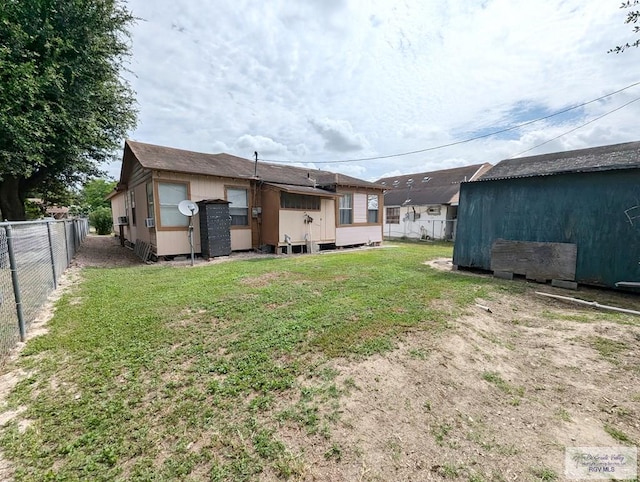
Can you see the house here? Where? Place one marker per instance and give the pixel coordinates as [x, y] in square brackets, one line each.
[425, 205]
[58, 212]
[270, 206]
[568, 215]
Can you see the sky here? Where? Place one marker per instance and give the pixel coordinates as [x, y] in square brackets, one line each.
[311, 82]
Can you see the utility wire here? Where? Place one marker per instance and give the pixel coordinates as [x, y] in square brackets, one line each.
[475, 138]
[576, 128]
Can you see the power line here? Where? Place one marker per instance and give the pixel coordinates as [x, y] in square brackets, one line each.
[475, 138]
[576, 128]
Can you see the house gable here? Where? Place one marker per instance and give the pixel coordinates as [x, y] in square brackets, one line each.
[429, 188]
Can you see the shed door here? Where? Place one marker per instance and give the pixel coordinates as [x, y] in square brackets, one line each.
[328, 224]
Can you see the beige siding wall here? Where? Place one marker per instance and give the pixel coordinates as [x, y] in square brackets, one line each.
[360, 232]
[240, 239]
[350, 235]
[117, 207]
[117, 210]
[200, 187]
[292, 223]
[177, 242]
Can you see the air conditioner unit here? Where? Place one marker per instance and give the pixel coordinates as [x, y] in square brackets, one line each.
[123, 220]
[433, 210]
[149, 223]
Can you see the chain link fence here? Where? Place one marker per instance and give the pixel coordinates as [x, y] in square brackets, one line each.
[437, 229]
[33, 256]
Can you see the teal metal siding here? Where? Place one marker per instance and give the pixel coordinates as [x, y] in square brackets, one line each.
[587, 209]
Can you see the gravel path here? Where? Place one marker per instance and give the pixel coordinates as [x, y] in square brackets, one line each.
[104, 252]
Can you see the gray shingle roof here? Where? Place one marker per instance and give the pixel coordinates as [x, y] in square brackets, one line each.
[171, 159]
[604, 158]
[424, 188]
[302, 189]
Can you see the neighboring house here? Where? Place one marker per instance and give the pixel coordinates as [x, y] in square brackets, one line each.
[58, 212]
[585, 203]
[52, 211]
[425, 205]
[270, 206]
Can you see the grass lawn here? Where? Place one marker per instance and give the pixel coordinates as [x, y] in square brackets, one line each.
[179, 373]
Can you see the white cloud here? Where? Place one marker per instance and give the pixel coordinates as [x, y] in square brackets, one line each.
[264, 145]
[311, 82]
[338, 135]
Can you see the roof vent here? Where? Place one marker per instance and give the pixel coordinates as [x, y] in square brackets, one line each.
[426, 179]
[395, 183]
[409, 181]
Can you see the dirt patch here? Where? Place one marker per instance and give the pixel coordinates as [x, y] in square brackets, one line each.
[442, 264]
[498, 397]
[262, 280]
[104, 252]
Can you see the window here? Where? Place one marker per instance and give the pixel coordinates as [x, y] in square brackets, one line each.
[393, 215]
[372, 208]
[169, 196]
[289, 200]
[346, 209]
[150, 212]
[133, 207]
[238, 207]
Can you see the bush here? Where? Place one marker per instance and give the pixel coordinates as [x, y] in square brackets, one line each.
[101, 220]
[33, 210]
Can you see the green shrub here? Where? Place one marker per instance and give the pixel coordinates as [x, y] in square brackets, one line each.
[101, 220]
[33, 210]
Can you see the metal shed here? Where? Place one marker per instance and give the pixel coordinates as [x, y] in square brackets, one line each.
[589, 198]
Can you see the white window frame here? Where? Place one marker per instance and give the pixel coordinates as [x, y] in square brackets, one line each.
[170, 217]
[345, 209]
[238, 209]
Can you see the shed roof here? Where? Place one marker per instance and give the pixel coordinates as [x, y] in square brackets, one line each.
[163, 158]
[434, 187]
[308, 190]
[603, 158]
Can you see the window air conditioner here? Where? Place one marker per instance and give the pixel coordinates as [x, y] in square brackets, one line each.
[434, 210]
[149, 223]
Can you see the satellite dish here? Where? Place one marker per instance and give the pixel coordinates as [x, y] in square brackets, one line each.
[188, 208]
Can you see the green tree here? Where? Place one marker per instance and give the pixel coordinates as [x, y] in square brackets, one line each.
[101, 220]
[34, 210]
[93, 193]
[64, 108]
[632, 17]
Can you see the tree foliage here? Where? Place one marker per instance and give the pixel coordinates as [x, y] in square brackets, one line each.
[632, 17]
[92, 196]
[64, 108]
[101, 220]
